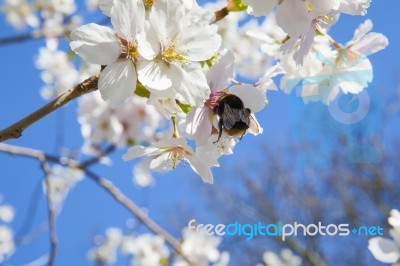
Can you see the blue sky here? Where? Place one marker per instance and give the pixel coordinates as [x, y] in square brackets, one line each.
[88, 210]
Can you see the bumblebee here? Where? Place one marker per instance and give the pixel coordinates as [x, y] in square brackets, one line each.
[234, 117]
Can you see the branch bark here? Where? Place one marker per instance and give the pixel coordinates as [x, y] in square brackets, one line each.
[105, 184]
[15, 131]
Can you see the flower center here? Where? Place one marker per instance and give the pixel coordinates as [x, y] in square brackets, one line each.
[148, 4]
[176, 154]
[171, 56]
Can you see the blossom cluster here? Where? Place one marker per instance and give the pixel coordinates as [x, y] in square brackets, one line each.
[152, 250]
[182, 60]
[384, 249]
[173, 53]
[7, 244]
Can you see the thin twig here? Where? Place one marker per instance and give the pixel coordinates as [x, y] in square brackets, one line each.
[42, 158]
[21, 38]
[107, 185]
[51, 213]
[15, 130]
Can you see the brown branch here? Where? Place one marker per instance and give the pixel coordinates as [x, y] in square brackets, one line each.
[21, 38]
[105, 184]
[42, 158]
[220, 14]
[51, 213]
[15, 130]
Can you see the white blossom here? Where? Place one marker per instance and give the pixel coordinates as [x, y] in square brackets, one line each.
[106, 248]
[20, 13]
[7, 245]
[146, 249]
[173, 49]
[284, 258]
[200, 248]
[58, 72]
[384, 249]
[168, 153]
[119, 49]
[61, 181]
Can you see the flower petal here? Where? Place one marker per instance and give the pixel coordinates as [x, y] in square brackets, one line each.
[384, 250]
[127, 18]
[201, 169]
[252, 97]
[154, 74]
[191, 84]
[96, 44]
[199, 124]
[198, 42]
[260, 8]
[138, 151]
[219, 74]
[117, 82]
[166, 18]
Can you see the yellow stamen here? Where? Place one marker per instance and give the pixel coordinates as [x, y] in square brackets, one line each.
[170, 56]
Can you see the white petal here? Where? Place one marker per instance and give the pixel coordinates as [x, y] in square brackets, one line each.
[384, 250]
[372, 43]
[96, 44]
[198, 42]
[148, 43]
[163, 162]
[191, 84]
[361, 31]
[354, 7]
[299, 21]
[138, 151]
[251, 96]
[154, 74]
[221, 72]
[199, 124]
[105, 6]
[127, 18]
[166, 17]
[394, 219]
[117, 82]
[260, 8]
[173, 142]
[201, 169]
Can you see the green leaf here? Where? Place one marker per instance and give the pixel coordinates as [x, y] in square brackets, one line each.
[184, 107]
[236, 5]
[141, 90]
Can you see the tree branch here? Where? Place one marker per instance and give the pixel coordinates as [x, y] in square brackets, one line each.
[104, 183]
[15, 130]
[51, 213]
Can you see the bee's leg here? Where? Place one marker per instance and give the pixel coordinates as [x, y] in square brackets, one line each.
[244, 132]
[220, 123]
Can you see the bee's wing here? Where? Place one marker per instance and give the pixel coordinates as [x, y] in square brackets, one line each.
[230, 116]
[254, 126]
